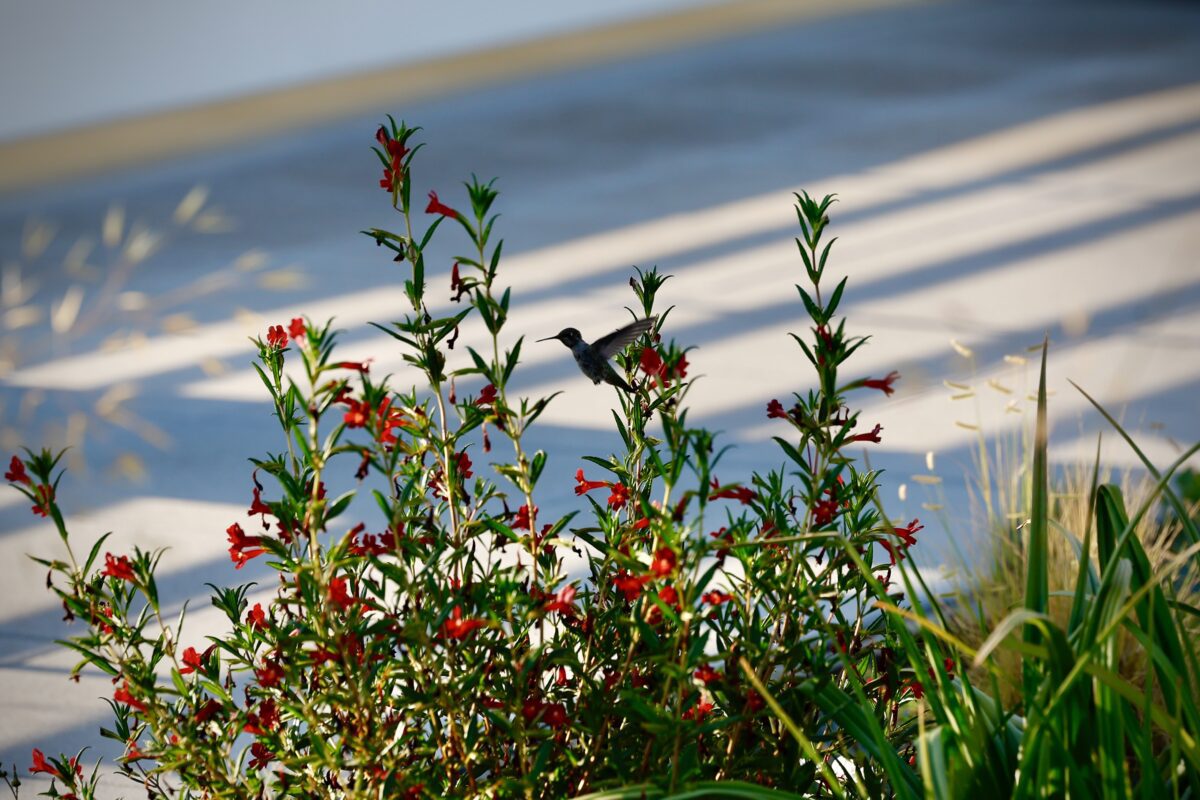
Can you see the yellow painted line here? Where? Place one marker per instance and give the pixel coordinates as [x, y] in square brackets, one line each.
[88, 150]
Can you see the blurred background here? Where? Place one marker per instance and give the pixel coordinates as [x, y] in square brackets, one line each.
[175, 179]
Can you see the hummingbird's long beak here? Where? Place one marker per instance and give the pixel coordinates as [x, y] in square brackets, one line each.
[548, 339]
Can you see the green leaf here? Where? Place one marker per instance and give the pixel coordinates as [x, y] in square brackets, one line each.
[835, 298]
[1036, 576]
[536, 467]
[790, 450]
[814, 311]
[512, 357]
[94, 552]
[825, 254]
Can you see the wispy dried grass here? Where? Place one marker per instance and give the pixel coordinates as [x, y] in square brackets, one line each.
[56, 295]
[992, 581]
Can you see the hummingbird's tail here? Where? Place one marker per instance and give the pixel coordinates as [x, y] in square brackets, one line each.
[616, 380]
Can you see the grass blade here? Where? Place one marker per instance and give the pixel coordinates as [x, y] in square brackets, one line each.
[1036, 580]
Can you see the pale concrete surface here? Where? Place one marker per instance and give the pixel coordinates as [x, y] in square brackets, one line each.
[201, 97]
[75, 62]
[1005, 172]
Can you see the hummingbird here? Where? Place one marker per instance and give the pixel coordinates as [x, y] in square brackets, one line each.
[593, 358]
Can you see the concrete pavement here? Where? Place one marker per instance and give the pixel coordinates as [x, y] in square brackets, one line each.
[1004, 171]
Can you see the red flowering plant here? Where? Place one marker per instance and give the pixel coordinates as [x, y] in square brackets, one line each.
[720, 640]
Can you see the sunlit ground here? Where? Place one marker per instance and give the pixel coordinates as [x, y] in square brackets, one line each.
[1008, 201]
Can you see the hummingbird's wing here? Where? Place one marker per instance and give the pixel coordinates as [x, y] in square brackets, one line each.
[615, 342]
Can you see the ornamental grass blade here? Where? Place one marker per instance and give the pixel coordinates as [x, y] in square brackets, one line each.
[1189, 526]
[1161, 634]
[1083, 581]
[1036, 581]
[864, 729]
[1109, 727]
[805, 743]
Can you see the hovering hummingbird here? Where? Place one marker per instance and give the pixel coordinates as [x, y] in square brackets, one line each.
[593, 358]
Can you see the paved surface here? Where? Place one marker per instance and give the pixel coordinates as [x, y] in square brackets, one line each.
[1005, 172]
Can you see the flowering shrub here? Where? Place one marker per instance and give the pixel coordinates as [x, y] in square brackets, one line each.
[723, 637]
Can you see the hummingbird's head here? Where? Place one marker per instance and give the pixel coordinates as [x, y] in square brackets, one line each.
[568, 336]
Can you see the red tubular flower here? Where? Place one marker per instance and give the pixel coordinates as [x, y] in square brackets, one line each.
[681, 367]
[43, 493]
[883, 384]
[277, 337]
[269, 714]
[41, 765]
[554, 715]
[17, 474]
[455, 627]
[775, 410]
[487, 396]
[269, 675]
[715, 597]
[438, 207]
[706, 674]
[668, 595]
[257, 506]
[457, 287]
[664, 562]
[340, 595]
[192, 661]
[630, 585]
[651, 363]
[873, 436]
[208, 711]
[257, 618]
[563, 602]
[698, 712]
[583, 486]
[619, 496]
[732, 492]
[906, 533]
[390, 419]
[120, 568]
[463, 462]
[362, 367]
[296, 329]
[396, 151]
[522, 520]
[261, 756]
[824, 511]
[358, 414]
[531, 708]
[725, 535]
[370, 545]
[242, 548]
[322, 655]
[107, 612]
[123, 695]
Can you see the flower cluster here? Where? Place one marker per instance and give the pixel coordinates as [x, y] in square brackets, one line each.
[619, 492]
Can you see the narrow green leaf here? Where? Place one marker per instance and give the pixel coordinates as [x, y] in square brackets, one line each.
[1036, 576]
